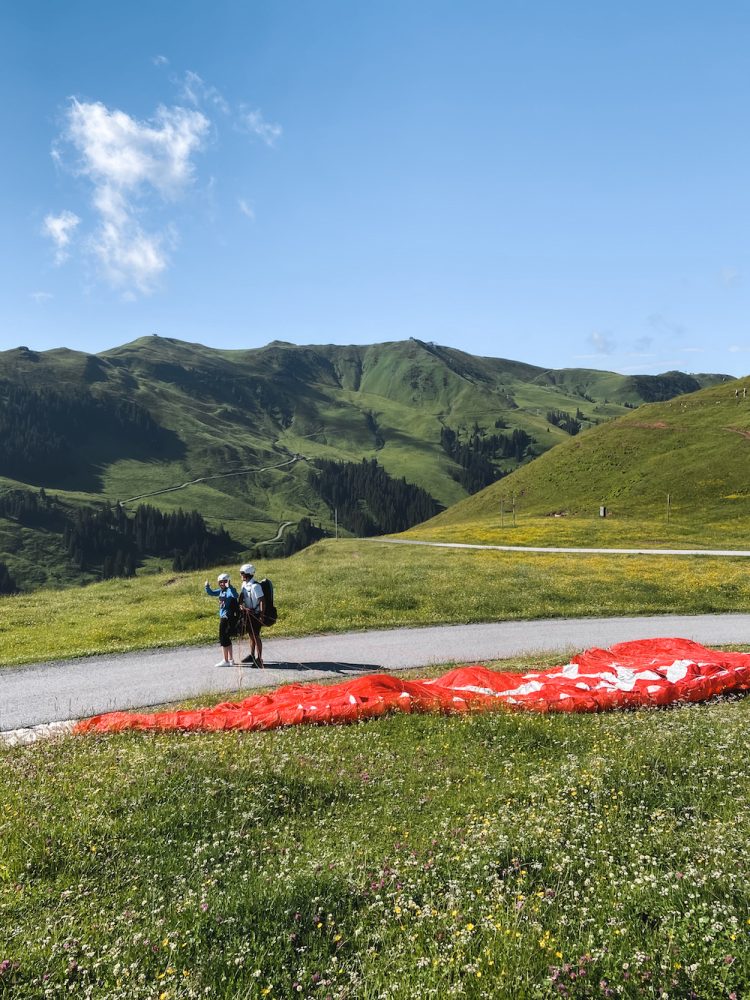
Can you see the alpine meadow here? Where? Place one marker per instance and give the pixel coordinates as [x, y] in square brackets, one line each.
[225, 450]
[505, 856]
[374, 501]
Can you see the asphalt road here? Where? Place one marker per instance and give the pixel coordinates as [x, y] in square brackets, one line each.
[72, 689]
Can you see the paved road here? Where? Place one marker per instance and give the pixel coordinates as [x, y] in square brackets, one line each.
[724, 553]
[71, 689]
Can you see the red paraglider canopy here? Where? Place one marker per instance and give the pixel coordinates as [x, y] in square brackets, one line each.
[628, 675]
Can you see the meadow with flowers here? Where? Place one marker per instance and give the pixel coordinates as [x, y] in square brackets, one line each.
[495, 855]
[346, 584]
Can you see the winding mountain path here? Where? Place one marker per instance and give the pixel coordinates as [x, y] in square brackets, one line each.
[70, 689]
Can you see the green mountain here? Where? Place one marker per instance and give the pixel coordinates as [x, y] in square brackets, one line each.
[235, 434]
[686, 459]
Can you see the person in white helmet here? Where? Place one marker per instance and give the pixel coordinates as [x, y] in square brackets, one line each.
[253, 606]
[228, 611]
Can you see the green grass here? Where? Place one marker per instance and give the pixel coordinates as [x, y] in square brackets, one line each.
[337, 586]
[236, 409]
[694, 448]
[591, 531]
[484, 856]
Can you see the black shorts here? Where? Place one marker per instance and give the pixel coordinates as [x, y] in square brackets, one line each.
[225, 632]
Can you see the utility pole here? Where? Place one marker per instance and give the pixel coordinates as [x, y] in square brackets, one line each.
[502, 513]
[514, 510]
[668, 506]
[336, 520]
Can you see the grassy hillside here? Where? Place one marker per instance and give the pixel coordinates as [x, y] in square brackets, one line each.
[694, 448]
[337, 586]
[142, 419]
[493, 855]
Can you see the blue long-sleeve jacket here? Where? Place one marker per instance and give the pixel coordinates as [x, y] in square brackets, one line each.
[225, 597]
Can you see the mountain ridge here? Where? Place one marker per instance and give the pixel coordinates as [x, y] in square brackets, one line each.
[146, 415]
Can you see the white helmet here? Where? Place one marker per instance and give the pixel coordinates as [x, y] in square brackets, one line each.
[223, 576]
[248, 569]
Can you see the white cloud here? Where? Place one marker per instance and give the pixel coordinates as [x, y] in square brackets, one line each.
[120, 152]
[246, 208]
[730, 276]
[602, 342]
[126, 161]
[41, 297]
[160, 60]
[137, 167]
[195, 90]
[199, 93]
[60, 229]
[254, 123]
[737, 349]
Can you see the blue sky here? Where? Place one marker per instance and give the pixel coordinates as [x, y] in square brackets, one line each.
[559, 183]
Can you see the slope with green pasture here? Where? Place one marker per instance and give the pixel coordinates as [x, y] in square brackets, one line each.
[141, 419]
[667, 473]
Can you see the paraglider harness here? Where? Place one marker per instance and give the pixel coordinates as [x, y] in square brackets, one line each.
[251, 620]
[233, 615]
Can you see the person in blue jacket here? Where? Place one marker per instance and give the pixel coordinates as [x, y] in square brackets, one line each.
[228, 611]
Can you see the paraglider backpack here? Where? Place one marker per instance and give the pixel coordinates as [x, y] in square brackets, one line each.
[270, 614]
[233, 615]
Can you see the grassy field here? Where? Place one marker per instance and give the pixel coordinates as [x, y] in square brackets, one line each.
[693, 449]
[497, 856]
[337, 586]
[223, 411]
[590, 530]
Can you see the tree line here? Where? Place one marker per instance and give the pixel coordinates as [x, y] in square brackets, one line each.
[368, 500]
[292, 540]
[109, 538]
[109, 542]
[33, 510]
[7, 583]
[562, 419]
[40, 427]
[476, 456]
